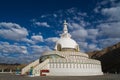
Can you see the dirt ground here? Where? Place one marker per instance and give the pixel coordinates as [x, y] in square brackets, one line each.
[5, 76]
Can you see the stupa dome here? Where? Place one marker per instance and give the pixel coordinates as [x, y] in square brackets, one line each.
[66, 43]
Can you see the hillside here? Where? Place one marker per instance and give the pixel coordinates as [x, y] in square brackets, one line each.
[7, 67]
[109, 57]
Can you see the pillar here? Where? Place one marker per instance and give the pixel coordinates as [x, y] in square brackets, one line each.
[10, 70]
[2, 70]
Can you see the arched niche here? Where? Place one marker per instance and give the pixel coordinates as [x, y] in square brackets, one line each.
[59, 47]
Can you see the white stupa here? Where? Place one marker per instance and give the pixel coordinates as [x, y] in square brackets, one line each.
[65, 60]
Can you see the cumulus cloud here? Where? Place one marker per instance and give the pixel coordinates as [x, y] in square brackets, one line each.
[111, 27]
[39, 49]
[74, 26]
[83, 46]
[34, 39]
[102, 4]
[112, 13]
[52, 39]
[5, 47]
[20, 54]
[92, 33]
[80, 34]
[26, 40]
[22, 58]
[44, 24]
[111, 30]
[93, 47]
[37, 38]
[12, 31]
[108, 42]
[78, 30]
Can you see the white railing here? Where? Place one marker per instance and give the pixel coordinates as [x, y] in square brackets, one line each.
[27, 68]
[40, 66]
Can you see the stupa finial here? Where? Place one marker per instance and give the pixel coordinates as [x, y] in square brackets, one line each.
[65, 30]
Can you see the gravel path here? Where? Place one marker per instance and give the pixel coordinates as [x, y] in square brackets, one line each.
[5, 76]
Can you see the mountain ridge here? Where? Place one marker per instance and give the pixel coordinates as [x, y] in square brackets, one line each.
[109, 57]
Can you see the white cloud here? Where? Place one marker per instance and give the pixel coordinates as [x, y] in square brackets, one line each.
[111, 30]
[74, 26]
[44, 15]
[93, 47]
[37, 38]
[34, 39]
[83, 45]
[20, 54]
[86, 47]
[44, 24]
[28, 41]
[39, 49]
[80, 34]
[92, 33]
[5, 47]
[102, 4]
[113, 12]
[21, 58]
[52, 39]
[12, 31]
[71, 10]
[82, 14]
[108, 42]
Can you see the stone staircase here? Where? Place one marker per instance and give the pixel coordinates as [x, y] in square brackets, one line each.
[27, 68]
[41, 66]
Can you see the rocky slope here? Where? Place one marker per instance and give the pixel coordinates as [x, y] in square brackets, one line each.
[109, 57]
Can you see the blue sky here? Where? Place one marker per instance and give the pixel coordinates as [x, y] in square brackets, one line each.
[30, 27]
